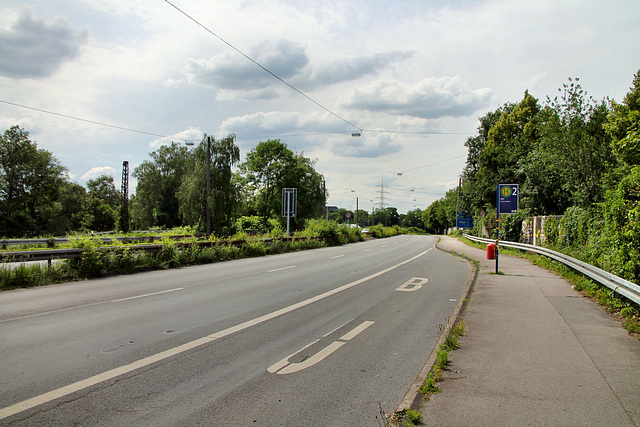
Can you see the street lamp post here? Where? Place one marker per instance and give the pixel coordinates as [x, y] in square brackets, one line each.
[208, 185]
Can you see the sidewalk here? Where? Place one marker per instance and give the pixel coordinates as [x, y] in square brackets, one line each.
[535, 352]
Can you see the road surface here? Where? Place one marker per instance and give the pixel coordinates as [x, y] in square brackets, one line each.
[320, 337]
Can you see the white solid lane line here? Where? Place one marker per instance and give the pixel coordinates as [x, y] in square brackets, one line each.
[337, 256]
[280, 269]
[147, 295]
[283, 367]
[355, 331]
[113, 373]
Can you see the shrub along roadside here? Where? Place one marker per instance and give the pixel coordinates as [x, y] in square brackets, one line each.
[96, 262]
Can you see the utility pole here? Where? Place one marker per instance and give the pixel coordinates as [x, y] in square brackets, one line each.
[208, 185]
[124, 206]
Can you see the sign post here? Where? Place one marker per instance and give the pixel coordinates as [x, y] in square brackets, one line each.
[507, 202]
[289, 204]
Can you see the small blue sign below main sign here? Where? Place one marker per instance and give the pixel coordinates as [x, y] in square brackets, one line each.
[464, 220]
[508, 198]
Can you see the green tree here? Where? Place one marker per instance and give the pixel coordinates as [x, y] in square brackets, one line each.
[102, 216]
[30, 182]
[74, 215]
[159, 179]
[413, 218]
[623, 125]
[103, 200]
[430, 218]
[103, 188]
[575, 136]
[224, 196]
[440, 215]
[270, 167]
[362, 217]
[509, 140]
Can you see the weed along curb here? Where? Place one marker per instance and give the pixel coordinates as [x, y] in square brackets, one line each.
[414, 399]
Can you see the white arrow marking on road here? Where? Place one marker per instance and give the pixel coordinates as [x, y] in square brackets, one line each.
[283, 367]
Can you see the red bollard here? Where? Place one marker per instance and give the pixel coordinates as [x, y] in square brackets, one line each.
[491, 251]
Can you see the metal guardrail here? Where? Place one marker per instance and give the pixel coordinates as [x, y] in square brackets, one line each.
[56, 241]
[611, 281]
[51, 254]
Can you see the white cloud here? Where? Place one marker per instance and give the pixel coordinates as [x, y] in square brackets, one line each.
[352, 68]
[231, 70]
[32, 48]
[99, 171]
[431, 98]
[194, 135]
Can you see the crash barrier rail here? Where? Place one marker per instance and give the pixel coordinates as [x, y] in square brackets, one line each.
[54, 241]
[611, 281]
[71, 253]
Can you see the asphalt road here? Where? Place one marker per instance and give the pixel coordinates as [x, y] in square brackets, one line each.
[319, 337]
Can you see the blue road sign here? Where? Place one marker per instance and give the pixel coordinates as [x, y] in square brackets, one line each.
[464, 220]
[508, 198]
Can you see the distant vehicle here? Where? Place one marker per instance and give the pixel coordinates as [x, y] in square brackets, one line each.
[365, 230]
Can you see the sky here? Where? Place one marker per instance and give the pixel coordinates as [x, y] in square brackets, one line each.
[412, 75]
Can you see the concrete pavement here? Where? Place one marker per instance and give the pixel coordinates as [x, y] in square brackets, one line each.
[535, 352]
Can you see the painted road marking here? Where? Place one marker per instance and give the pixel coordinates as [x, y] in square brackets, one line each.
[147, 295]
[280, 269]
[337, 256]
[413, 284]
[113, 373]
[284, 367]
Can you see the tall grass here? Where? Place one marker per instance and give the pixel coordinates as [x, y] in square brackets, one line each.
[95, 261]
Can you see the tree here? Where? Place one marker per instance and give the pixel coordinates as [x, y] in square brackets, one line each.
[30, 182]
[159, 179]
[413, 218]
[388, 216]
[103, 188]
[574, 133]
[509, 140]
[223, 201]
[441, 214]
[623, 125]
[74, 215]
[103, 200]
[264, 171]
[471, 196]
[269, 168]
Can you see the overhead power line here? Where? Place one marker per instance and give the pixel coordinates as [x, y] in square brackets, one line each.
[435, 163]
[418, 132]
[262, 66]
[92, 121]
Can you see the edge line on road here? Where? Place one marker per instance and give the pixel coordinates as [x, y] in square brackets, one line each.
[27, 404]
[147, 295]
